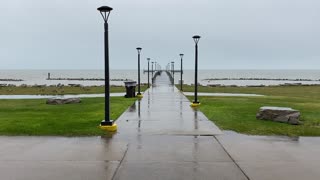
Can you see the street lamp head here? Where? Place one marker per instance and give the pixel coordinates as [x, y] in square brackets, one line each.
[139, 49]
[181, 55]
[105, 12]
[105, 9]
[172, 62]
[148, 59]
[152, 62]
[196, 38]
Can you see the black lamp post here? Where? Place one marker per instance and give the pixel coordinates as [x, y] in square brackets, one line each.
[148, 59]
[196, 39]
[106, 123]
[139, 51]
[152, 72]
[172, 72]
[181, 72]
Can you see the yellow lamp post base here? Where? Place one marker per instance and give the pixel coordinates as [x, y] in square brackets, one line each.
[110, 128]
[139, 96]
[195, 104]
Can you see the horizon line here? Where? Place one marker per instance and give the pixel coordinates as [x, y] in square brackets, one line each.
[144, 69]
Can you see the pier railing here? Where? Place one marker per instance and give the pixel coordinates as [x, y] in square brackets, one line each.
[157, 73]
[170, 76]
[146, 71]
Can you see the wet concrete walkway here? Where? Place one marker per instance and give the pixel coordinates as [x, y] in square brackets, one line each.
[160, 137]
[274, 157]
[167, 139]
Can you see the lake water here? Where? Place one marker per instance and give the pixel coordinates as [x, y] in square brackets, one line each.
[32, 77]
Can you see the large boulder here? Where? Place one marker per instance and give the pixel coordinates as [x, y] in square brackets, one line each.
[59, 101]
[279, 114]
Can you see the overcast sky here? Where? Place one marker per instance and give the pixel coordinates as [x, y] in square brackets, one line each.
[236, 34]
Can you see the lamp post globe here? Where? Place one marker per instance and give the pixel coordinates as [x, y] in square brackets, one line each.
[106, 124]
[196, 103]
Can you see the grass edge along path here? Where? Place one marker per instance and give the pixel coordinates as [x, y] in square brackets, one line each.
[48, 90]
[36, 118]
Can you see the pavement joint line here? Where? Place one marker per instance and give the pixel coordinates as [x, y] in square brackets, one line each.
[233, 160]
[89, 161]
[155, 161]
[195, 135]
[120, 163]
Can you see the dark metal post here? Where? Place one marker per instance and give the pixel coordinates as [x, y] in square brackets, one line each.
[196, 40]
[196, 76]
[181, 72]
[105, 12]
[152, 72]
[172, 72]
[139, 50]
[148, 59]
[106, 72]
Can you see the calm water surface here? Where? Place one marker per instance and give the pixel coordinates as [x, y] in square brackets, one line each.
[32, 77]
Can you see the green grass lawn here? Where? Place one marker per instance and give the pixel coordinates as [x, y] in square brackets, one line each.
[292, 91]
[60, 90]
[238, 113]
[35, 117]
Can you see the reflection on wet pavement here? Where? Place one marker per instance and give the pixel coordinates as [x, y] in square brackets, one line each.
[163, 133]
[274, 157]
[164, 110]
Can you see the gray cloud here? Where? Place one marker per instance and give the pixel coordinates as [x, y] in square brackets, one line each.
[236, 34]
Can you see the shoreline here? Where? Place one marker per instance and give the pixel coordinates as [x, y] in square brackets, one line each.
[145, 84]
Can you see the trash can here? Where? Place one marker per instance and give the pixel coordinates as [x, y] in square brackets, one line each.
[130, 89]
